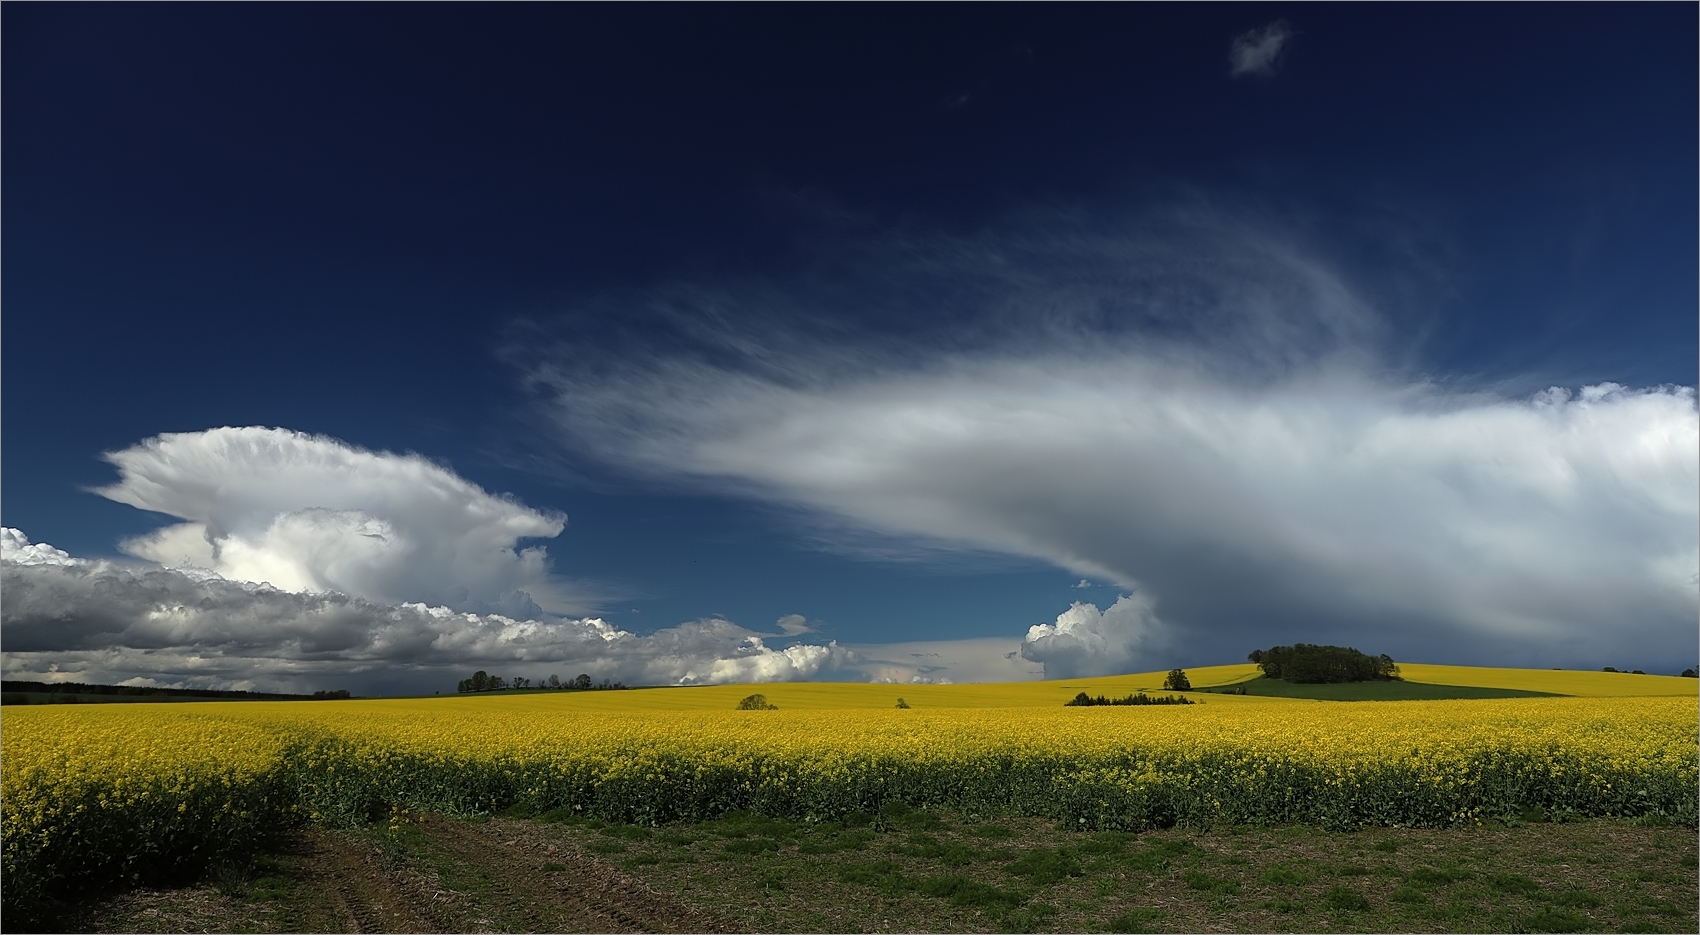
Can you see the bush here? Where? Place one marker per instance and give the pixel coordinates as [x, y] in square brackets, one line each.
[756, 703]
[1084, 700]
[1177, 681]
[1310, 664]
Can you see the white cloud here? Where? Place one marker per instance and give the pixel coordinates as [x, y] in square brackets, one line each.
[1085, 642]
[306, 512]
[986, 659]
[1258, 51]
[71, 620]
[16, 548]
[794, 625]
[1202, 414]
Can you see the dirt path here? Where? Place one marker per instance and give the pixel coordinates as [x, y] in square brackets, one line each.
[358, 892]
[460, 877]
[576, 894]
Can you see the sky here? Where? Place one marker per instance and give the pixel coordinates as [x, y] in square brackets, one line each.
[363, 346]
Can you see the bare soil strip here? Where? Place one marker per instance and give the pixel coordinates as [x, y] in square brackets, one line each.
[575, 894]
[362, 895]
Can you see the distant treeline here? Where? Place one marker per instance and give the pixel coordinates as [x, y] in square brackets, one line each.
[1084, 700]
[21, 692]
[482, 681]
[1310, 664]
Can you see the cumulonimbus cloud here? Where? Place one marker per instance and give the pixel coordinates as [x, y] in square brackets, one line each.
[1206, 418]
[101, 622]
[308, 512]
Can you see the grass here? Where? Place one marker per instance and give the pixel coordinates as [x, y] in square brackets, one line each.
[938, 871]
[910, 870]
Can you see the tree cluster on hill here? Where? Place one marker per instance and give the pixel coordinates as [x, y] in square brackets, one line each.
[1084, 700]
[26, 692]
[1310, 664]
[482, 681]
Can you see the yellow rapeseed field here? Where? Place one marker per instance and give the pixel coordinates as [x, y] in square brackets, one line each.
[103, 790]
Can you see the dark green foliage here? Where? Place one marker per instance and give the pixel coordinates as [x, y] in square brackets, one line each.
[1689, 673]
[1084, 700]
[756, 703]
[1176, 681]
[1045, 866]
[965, 892]
[1310, 664]
[25, 692]
[1577, 899]
[482, 681]
[1285, 876]
[902, 704]
[1344, 897]
[1513, 883]
[1198, 880]
[1557, 920]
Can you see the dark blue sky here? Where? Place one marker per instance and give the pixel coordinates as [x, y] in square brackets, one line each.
[364, 221]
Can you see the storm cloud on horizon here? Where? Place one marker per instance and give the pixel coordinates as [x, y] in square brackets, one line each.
[1195, 409]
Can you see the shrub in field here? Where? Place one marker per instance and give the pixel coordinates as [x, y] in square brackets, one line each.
[756, 703]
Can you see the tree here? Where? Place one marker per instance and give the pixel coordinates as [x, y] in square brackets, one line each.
[1177, 681]
[1690, 673]
[756, 703]
[582, 683]
[480, 681]
[554, 681]
[521, 682]
[902, 704]
[1306, 663]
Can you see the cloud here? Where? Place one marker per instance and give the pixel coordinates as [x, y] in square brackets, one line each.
[1258, 51]
[1196, 409]
[1082, 585]
[987, 659]
[16, 548]
[307, 512]
[794, 625]
[71, 620]
[1086, 642]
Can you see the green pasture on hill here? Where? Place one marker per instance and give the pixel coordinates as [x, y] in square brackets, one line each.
[1373, 691]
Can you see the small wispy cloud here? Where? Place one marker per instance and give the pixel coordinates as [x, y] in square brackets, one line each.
[794, 625]
[1082, 585]
[1257, 51]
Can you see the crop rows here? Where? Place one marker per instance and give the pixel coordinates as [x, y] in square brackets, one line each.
[125, 792]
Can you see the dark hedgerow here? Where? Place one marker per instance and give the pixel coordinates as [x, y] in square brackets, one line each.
[1084, 700]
